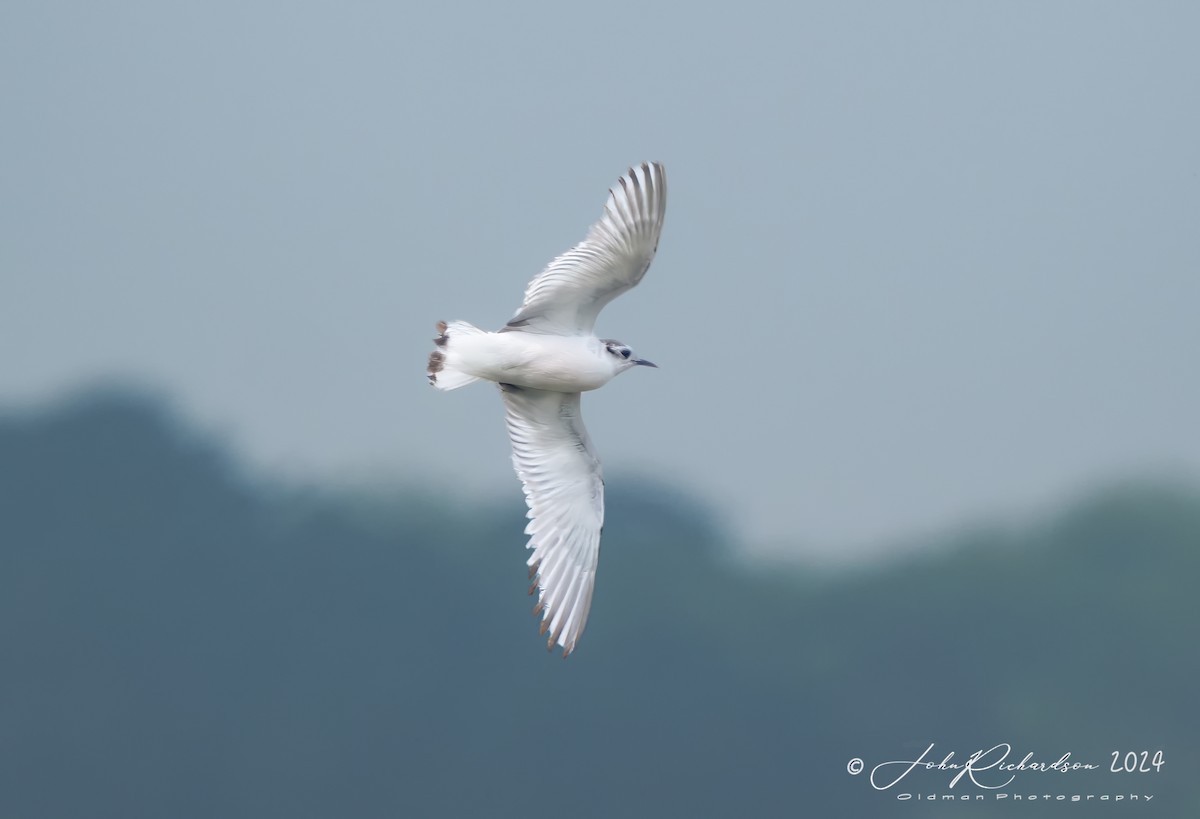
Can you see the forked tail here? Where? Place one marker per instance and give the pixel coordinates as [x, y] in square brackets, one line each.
[442, 371]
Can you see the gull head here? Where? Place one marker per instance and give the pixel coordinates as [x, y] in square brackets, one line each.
[622, 356]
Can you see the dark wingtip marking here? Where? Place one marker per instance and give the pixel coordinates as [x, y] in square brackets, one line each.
[436, 362]
[541, 605]
[441, 338]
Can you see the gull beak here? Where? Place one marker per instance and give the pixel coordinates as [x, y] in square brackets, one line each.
[645, 363]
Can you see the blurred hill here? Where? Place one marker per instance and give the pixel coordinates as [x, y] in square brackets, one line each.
[182, 640]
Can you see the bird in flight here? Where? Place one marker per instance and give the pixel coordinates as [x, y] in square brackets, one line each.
[545, 356]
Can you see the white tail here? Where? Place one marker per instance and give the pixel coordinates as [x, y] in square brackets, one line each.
[442, 371]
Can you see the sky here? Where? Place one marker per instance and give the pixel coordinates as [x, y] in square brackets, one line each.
[923, 263]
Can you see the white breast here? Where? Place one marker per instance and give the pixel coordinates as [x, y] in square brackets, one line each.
[541, 362]
[558, 363]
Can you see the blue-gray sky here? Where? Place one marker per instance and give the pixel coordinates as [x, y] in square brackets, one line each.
[922, 261]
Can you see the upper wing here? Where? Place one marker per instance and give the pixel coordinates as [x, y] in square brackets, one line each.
[564, 489]
[566, 297]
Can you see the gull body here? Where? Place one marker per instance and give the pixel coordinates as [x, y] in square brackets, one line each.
[543, 359]
[540, 362]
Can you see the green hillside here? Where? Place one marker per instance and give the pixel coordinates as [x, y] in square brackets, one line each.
[182, 640]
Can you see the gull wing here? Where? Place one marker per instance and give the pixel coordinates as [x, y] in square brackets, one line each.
[564, 489]
[566, 297]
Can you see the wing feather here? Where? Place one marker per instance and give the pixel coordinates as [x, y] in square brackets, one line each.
[564, 489]
[566, 297]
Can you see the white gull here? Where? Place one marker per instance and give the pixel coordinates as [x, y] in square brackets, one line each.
[543, 359]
